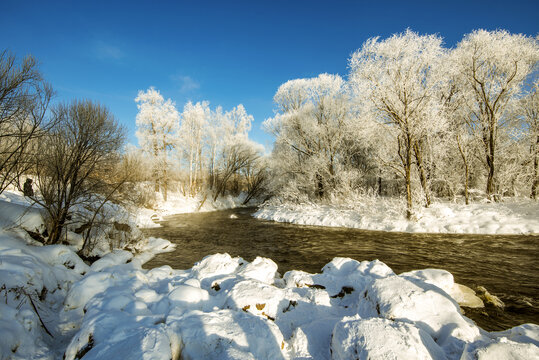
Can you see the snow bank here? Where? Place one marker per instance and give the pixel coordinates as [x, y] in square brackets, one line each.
[36, 281]
[228, 308]
[509, 217]
[178, 204]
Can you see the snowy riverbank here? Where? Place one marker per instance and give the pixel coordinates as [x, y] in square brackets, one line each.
[508, 217]
[180, 204]
[227, 308]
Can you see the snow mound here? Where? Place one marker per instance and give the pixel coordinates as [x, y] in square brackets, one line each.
[377, 338]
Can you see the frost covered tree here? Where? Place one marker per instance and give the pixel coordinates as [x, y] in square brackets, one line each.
[24, 99]
[157, 126]
[214, 143]
[492, 67]
[194, 121]
[459, 145]
[310, 128]
[396, 80]
[527, 109]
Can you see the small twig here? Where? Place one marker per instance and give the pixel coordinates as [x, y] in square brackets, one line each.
[37, 313]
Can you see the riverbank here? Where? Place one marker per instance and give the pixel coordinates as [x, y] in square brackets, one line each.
[512, 216]
[178, 203]
[36, 280]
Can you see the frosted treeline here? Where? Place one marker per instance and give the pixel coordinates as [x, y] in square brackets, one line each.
[199, 149]
[413, 119]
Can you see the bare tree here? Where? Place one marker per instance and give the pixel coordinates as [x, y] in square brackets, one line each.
[256, 177]
[75, 160]
[236, 156]
[24, 98]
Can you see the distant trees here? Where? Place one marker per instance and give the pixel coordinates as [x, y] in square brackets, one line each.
[24, 99]
[210, 147]
[157, 123]
[75, 162]
[194, 121]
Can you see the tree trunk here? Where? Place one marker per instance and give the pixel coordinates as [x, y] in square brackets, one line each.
[408, 189]
[165, 184]
[319, 186]
[466, 171]
[535, 181]
[490, 162]
[57, 227]
[422, 177]
[406, 160]
[191, 172]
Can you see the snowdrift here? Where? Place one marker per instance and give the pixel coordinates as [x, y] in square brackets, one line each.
[228, 308]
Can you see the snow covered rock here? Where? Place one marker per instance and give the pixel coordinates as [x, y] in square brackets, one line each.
[228, 308]
[375, 338]
[444, 280]
[420, 303]
[261, 269]
[228, 334]
[500, 349]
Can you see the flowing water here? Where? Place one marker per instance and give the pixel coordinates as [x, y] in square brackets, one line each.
[507, 266]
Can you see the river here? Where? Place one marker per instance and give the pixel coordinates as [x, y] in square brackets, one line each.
[507, 266]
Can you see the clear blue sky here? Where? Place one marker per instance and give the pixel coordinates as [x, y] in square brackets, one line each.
[226, 52]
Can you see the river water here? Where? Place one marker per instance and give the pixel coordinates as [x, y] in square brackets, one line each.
[507, 266]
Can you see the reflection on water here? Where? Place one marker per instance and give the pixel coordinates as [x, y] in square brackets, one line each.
[506, 266]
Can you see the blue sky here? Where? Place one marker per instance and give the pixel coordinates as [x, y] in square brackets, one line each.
[226, 52]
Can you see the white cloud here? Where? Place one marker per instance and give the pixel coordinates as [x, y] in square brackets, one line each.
[106, 51]
[186, 83]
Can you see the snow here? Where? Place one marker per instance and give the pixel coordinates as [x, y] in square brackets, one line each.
[356, 338]
[516, 216]
[228, 308]
[54, 306]
[179, 204]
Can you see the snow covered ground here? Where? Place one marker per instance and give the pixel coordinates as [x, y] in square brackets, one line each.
[53, 306]
[228, 308]
[508, 217]
[179, 204]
